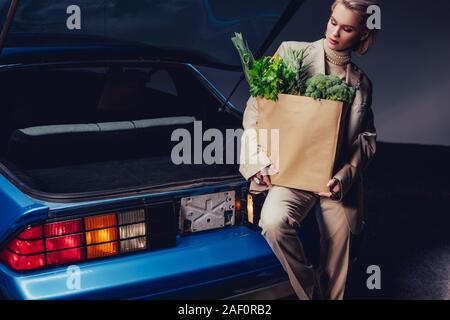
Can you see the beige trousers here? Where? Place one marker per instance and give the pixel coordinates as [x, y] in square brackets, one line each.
[282, 213]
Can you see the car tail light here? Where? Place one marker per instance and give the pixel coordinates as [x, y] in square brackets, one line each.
[26, 246]
[32, 233]
[133, 244]
[76, 240]
[254, 207]
[250, 208]
[99, 222]
[71, 241]
[132, 231]
[63, 227]
[19, 262]
[65, 256]
[102, 250]
[64, 242]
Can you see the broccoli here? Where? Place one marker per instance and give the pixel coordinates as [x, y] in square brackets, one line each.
[329, 87]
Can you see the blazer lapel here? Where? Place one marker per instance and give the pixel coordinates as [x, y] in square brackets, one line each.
[317, 58]
[353, 76]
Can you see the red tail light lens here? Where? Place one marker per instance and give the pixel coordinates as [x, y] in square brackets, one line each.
[31, 233]
[26, 251]
[63, 227]
[26, 247]
[75, 240]
[64, 242]
[65, 256]
[22, 263]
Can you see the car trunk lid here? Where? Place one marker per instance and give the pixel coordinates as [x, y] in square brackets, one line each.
[197, 32]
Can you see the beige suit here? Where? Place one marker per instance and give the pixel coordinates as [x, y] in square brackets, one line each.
[285, 208]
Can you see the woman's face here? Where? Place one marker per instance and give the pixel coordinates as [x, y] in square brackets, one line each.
[344, 28]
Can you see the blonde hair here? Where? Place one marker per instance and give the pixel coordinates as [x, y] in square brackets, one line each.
[360, 7]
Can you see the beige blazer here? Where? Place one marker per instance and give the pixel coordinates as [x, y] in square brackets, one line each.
[357, 144]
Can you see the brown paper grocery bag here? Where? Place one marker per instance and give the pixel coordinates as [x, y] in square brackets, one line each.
[307, 131]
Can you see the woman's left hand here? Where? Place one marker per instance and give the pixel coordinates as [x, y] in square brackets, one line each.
[334, 187]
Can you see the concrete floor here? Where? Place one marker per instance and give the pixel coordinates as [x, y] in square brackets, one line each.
[411, 245]
[408, 224]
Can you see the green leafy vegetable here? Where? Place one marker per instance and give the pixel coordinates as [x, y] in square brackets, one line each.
[329, 87]
[245, 54]
[270, 76]
[295, 60]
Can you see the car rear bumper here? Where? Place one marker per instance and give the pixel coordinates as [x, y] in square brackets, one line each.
[213, 264]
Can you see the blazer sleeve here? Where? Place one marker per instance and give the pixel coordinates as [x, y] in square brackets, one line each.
[253, 157]
[362, 151]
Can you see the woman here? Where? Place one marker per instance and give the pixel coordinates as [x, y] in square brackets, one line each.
[340, 212]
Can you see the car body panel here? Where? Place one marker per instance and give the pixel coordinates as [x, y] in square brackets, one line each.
[209, 259]
[17, 209]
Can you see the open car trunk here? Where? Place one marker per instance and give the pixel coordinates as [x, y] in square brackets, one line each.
[97, 130]
[102, 128]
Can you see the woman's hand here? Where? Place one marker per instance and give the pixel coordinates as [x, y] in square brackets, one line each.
[262, 178]
[335, 190]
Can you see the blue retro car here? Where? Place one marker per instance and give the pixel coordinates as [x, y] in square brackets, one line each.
[92, 203]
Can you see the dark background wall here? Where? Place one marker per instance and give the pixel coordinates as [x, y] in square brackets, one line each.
[409, 67]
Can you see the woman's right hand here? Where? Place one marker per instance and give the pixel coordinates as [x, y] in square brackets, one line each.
[262, 178]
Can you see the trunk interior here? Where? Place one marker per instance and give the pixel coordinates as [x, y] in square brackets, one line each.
[93, 129]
